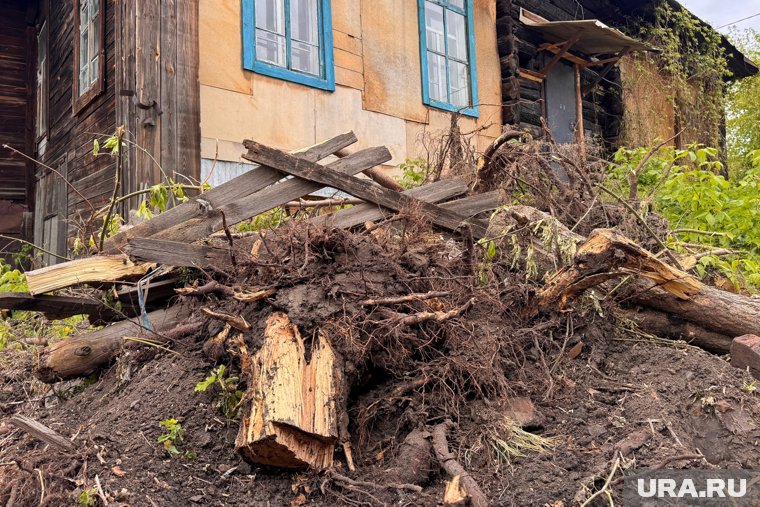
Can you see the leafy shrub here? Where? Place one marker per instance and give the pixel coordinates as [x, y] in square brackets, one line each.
[702, 206]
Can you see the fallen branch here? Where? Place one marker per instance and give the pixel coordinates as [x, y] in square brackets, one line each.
[453, 467]
[211, 288]
[253, 296]
[238, 323]
[353, 482]
[41, 432]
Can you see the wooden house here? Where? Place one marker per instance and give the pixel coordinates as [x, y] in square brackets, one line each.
[191, 79]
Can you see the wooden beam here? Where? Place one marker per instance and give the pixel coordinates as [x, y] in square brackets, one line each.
[239, 187]
[531, 75]
[362, 189]
[563, 49]
[101, 268]
[53, 307]
[606, 70]
[554, 48]
[358, 215]
[177, 254]
[259, 202]
[41, 432]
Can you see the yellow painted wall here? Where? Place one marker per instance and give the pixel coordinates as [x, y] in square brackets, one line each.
[378, 84]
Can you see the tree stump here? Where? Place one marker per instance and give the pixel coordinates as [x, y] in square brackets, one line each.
[295, 411]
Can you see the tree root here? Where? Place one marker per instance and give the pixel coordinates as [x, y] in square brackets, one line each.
[453, 467]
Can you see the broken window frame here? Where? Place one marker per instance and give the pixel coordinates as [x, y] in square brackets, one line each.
[462, 8]
[42, 79]
[325, 80]
[84, 93]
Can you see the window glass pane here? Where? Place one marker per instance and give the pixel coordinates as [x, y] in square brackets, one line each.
[270, 48]
[460, 89]
[270, 15]
[84, 14]
[437, 77]
[83, 79]
[84, 46]
[305, 58]
[457, 3]
[94, 69]
[304, 21]
[434, 28]
[94, 4]
[455, 24]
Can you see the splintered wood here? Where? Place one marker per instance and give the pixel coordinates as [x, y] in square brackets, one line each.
[102, 268]
[295, 408]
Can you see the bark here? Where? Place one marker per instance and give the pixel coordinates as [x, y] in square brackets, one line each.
[295, 410]
[80, 356]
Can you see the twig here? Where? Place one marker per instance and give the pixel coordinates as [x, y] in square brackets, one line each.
[213, 287]
[420, 317]
[404, 299]
[643, 222]
[679, 457]
[2, 236]
[697, 231]
[42, 487]
[353, 482]
[453, 467]
[75, 189]
[606, 485]
[633, 176]
[116, 185]
[720, 252]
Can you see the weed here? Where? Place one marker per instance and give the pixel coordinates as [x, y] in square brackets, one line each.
[88, 497]
[173, 437]
[229, 394]
[750, 387]
[413, 173]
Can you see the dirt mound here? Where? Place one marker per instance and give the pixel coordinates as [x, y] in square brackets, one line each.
[465, 352]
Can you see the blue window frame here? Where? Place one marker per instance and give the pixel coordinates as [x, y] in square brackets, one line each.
[290, 40]
[447, 48]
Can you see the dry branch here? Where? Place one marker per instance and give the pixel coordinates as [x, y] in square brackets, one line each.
[405, 299]
[41, 432]
[238, 323]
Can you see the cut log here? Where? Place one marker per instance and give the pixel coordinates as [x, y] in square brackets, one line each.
[101, 268]
[672, 326]
[296, 411]
[207, 222]
[245, 184]
[362, 189]
[53, 307]
[79, 356]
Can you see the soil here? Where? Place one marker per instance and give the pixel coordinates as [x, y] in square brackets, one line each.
[599, 392]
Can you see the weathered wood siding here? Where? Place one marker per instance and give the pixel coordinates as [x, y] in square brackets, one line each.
[16, 113]
[71, 136]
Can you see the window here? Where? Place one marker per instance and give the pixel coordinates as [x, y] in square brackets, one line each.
[88, 54]
[42, 81]
[447, 47]
[290, 40]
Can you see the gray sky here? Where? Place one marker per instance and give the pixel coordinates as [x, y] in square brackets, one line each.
[721, 12]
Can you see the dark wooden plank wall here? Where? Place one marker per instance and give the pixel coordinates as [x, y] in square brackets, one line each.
[14, 98]
[518, 48]
[72, 135]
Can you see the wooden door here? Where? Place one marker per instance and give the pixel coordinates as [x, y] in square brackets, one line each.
[50, 212]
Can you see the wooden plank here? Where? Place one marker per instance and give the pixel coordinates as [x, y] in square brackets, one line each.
[188, 102]
[177, 254]
[102, 268]
[358, 188]
[237, 188]
[264, 200]
[53, 307]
